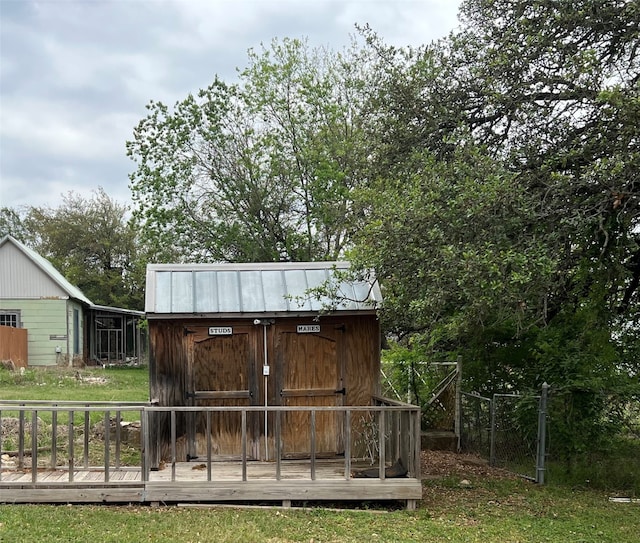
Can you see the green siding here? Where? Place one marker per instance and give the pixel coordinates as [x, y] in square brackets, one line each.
[44, 318]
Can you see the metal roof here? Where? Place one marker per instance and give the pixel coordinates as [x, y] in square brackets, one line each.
[118, 310]
[236, 289]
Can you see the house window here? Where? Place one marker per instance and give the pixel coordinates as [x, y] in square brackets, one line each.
[10, 318]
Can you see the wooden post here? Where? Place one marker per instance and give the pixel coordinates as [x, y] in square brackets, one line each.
[313, 445]
[190, 417]
[21, 439]
[107, 444]
[145, 445]
[86, 437]
[381, 444]
[244, 445]
[118, 437]
[277, 444]
[347, 445]
[34, 446]
[173, 445]
[54, 437]
[208, 432]
[71, 447]
[417, 445]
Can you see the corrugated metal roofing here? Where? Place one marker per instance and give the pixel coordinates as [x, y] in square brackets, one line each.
[254, 288]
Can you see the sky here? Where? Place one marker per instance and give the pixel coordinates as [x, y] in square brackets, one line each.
[76, 75]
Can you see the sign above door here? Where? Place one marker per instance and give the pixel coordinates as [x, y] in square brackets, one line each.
[220, 330]
[308, 328]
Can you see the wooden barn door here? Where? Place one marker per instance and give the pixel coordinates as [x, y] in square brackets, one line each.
[311, 374]
[222, 372]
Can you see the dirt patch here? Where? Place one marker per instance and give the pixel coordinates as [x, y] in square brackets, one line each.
[462, 481]
[442, 464]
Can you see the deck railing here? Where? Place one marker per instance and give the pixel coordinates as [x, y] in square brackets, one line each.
[379, 435]
[45, 436]
[82, 437]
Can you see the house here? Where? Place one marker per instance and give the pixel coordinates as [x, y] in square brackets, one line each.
[63, 325]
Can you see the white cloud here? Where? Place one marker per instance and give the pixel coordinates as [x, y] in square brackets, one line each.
[75, 75]
[58, 130]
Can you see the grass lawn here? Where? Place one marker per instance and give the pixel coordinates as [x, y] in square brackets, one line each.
[95, 384]
[489, 509]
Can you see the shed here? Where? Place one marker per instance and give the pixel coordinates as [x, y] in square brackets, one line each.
[255, 335]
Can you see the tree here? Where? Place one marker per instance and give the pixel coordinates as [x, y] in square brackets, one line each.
[92, 243]
[508, 154]
[11, 222]
[260, 170]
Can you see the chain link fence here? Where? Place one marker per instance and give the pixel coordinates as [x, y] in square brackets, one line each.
[475, 435]
[507, 429]
[515, 429]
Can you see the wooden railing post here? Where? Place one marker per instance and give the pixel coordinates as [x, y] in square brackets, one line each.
[71, 447]
[313, 445]
[173, 445]
[208, 432]
[87, 425]
[145, 437]
[107, 445]
[244, 444]
[381, 444]
[347, 445]
[34, 446]
[417, 445]
[278, 444]
[54, 437]
[21, 438]
[118, 437]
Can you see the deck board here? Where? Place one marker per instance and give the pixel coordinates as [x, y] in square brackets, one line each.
[191, 484]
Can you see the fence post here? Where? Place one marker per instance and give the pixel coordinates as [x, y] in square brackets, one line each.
[492, 442]
[458, 407]
[542, 435]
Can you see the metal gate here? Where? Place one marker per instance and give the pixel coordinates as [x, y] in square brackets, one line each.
[509, 430]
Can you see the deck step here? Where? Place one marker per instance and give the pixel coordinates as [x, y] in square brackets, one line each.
[438, 440]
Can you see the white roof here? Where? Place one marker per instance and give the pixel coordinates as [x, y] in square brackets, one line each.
[262, 288]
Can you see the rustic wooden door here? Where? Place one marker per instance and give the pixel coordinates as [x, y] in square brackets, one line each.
[222, 372]
[310, 374]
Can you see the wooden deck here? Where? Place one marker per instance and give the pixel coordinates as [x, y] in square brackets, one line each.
[193, 482]
[26, 475]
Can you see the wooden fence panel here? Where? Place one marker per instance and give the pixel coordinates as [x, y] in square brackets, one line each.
[13, 345]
